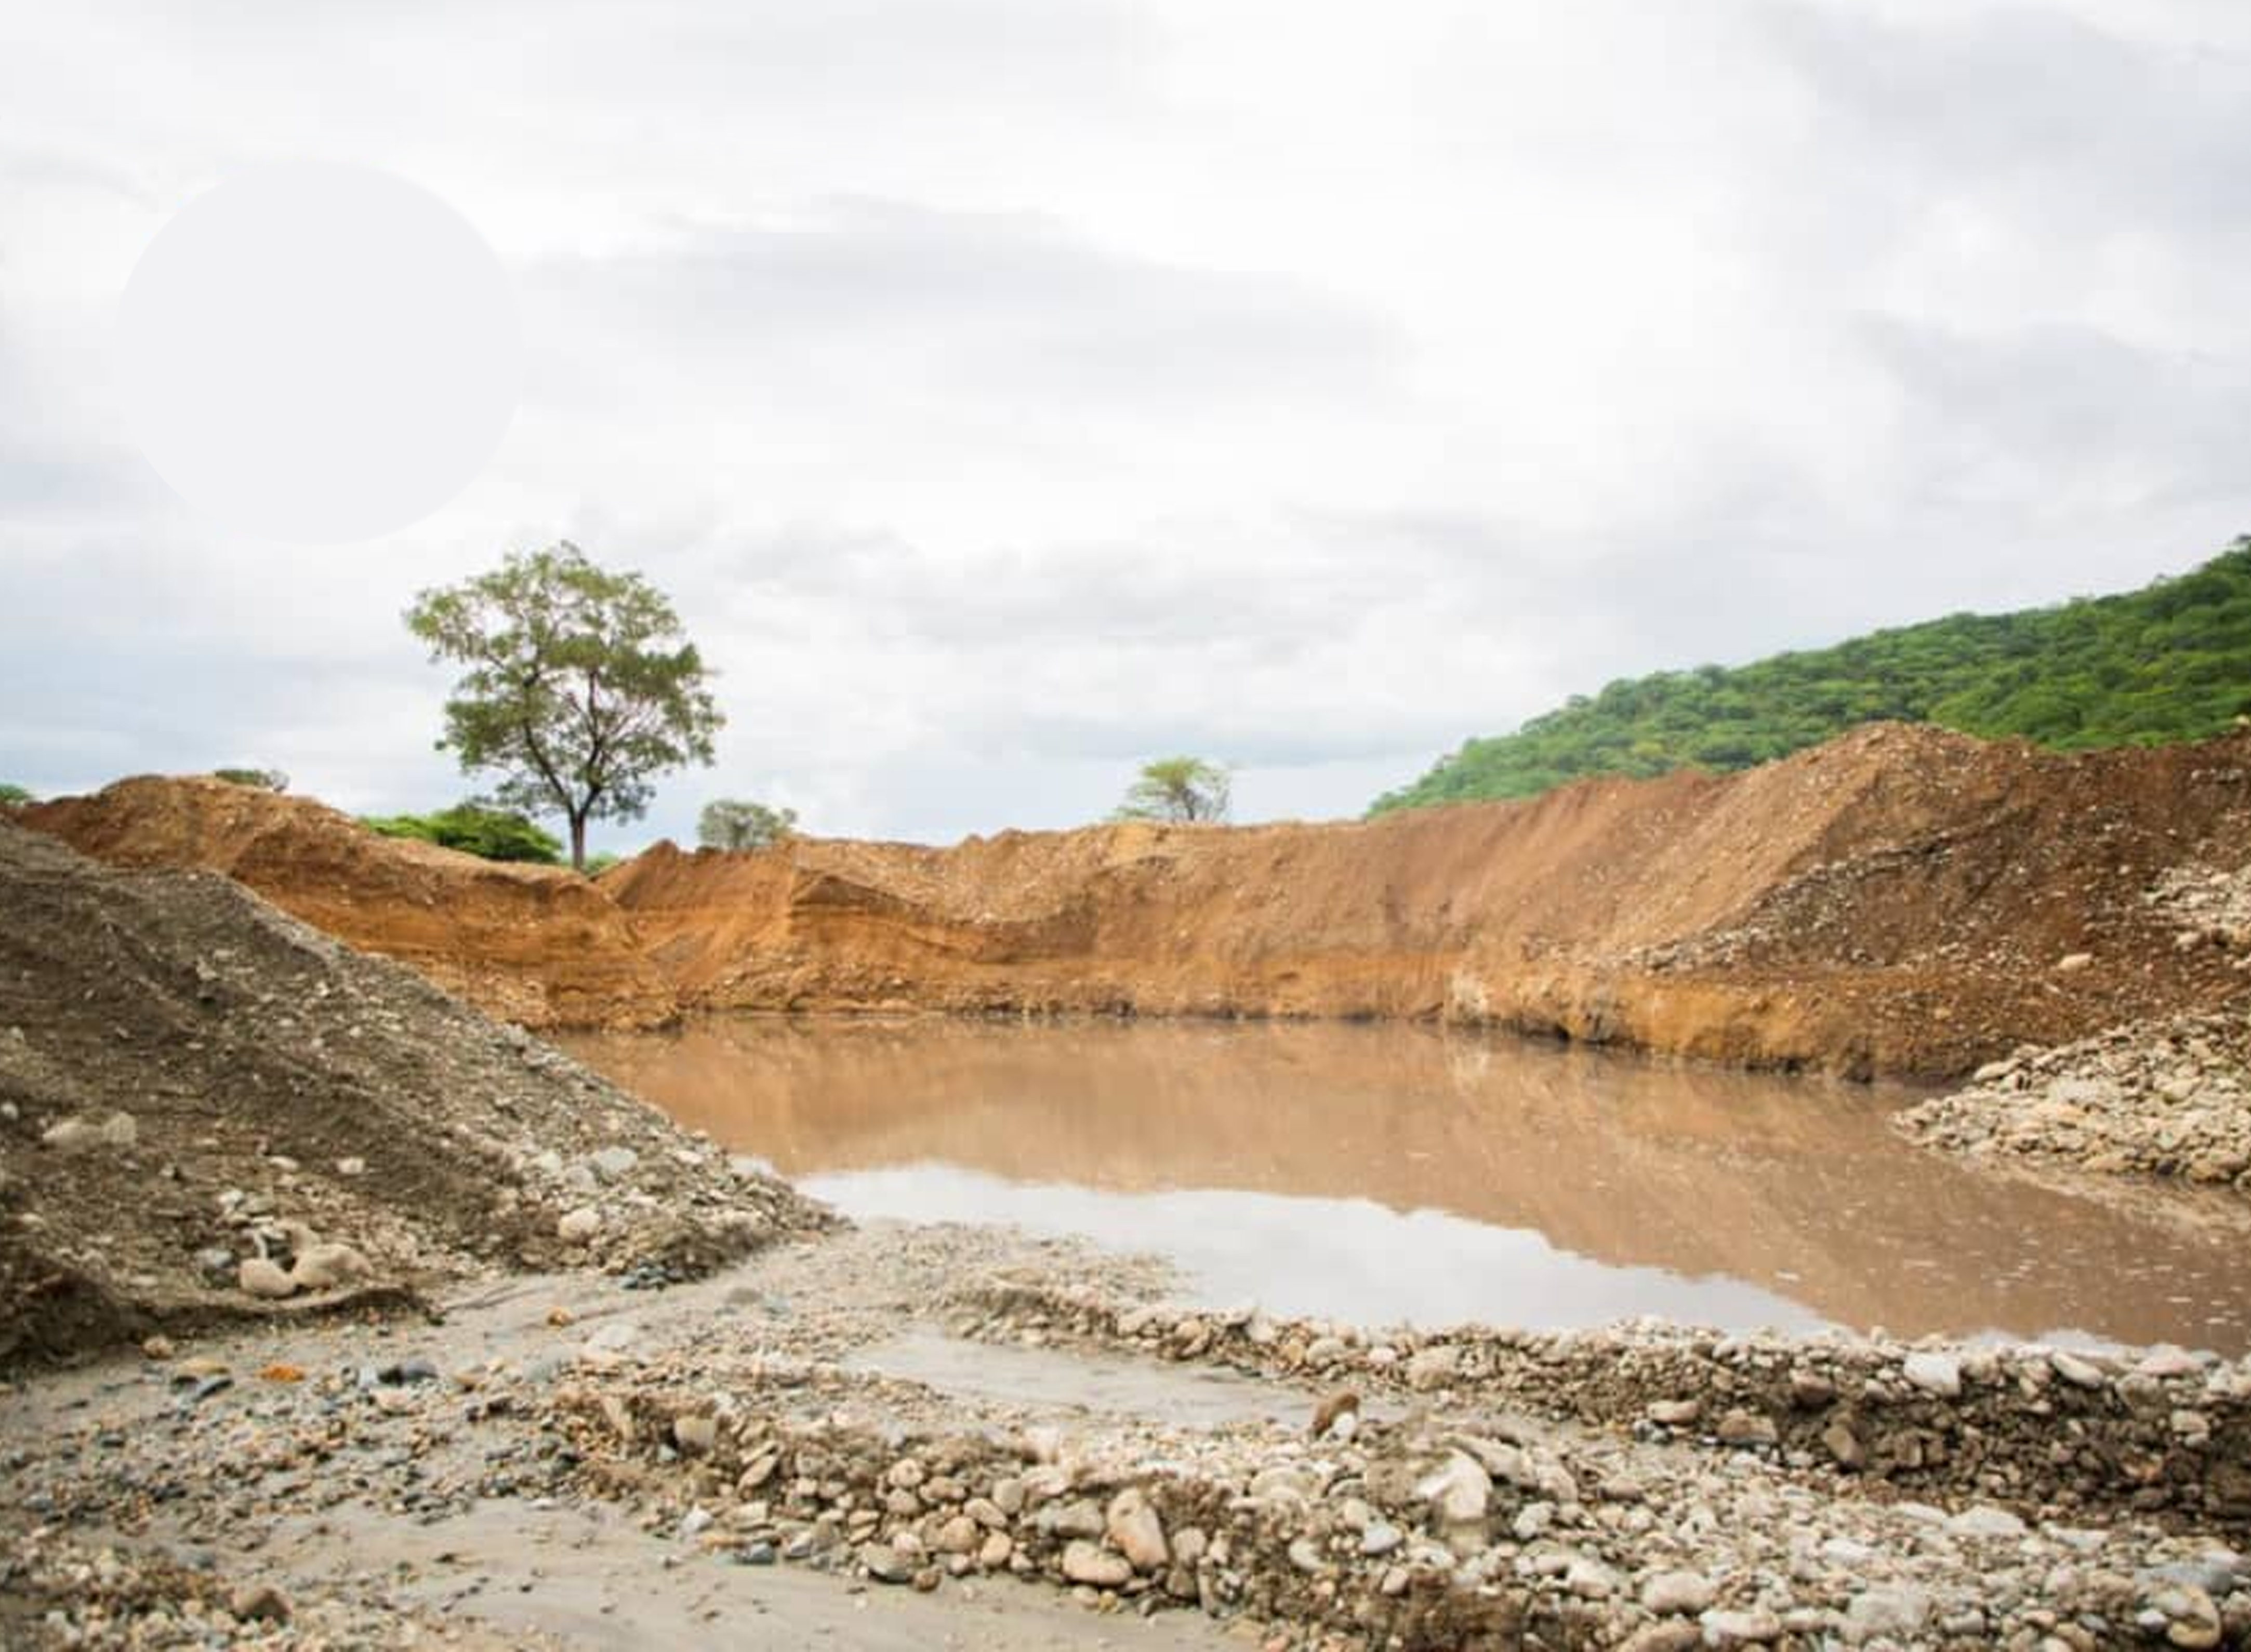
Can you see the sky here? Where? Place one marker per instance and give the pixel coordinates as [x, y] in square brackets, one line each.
[1008, 391]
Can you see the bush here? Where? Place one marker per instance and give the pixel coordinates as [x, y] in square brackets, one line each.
[476, 828]
[15, 796]
[730, 823]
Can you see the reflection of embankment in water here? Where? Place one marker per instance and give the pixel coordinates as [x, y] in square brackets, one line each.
[1742, 1198]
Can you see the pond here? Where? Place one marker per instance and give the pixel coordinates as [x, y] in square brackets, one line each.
[1404, 1174]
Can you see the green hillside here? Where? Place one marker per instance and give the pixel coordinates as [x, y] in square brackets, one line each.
[2169, 662]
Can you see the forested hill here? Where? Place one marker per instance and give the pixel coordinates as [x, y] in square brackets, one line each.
[2171, 662]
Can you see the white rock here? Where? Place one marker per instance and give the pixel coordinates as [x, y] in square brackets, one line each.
[1676, 1594]
[577, 1226]
[1935, 1373]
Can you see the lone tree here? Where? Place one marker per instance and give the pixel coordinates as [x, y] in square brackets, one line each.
[579, 687]
[1184, 789]
[730, 823]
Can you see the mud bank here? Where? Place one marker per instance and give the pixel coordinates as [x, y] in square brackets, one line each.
[1902, 900]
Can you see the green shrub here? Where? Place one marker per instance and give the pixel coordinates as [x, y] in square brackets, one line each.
[475, 828]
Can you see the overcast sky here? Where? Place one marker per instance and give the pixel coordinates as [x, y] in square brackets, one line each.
[1009, 390]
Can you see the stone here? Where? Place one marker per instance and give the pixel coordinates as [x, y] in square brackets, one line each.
[694, 1435]
[81, 1134]
[1757, 1626]
[2075, 1371]
[1747, 1429]
[1674, 1635]
[577, 1226]
[1676, 1413]
[325, 1265]
[156, 1347]
[1379, 1537]
[351, 1167]
[1084, 1562]
[960, 1535]
[1676, 1594]
[1134, 1527]
[1458, 1492]
[610, 1163]
[1306, 1554]
[1590, 1580]
[1935, 1373]
[1893, 1612]
[1841, 1443]
[261, 1276]
[1433, 1367]
[1985, 1521]
[2072, 963]
[260, 1603]
[885, 1564]
[2191, 1618]
[995, 1549]
[1078, 1518]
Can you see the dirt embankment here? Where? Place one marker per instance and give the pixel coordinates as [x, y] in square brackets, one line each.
[211, 1112]
[1900, 900]
[537, 945]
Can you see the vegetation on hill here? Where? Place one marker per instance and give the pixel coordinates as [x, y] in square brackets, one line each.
[475, 828]
[2171, 662]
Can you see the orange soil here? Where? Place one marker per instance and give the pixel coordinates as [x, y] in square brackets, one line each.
[1894, 901]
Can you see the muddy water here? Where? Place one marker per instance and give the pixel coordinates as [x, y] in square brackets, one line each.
[1397, 1173]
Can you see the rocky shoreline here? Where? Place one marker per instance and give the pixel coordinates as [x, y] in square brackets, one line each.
[2168, 1099]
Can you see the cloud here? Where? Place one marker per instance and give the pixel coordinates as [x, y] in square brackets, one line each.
[1008, 390]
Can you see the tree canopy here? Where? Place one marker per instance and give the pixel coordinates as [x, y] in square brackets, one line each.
[733, 823]
[2171, 662]
[1178, 789]
[579, 686]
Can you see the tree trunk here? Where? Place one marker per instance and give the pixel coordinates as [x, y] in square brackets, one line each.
[577, 843]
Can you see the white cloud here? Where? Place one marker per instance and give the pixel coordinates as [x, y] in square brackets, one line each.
[1010, 389]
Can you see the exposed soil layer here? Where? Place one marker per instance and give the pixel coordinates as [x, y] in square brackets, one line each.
[537, 945]
[208, 1111]
[1900, 900]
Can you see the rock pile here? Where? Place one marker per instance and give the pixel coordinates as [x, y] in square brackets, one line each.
[2052, 1433]
[2170, 1098]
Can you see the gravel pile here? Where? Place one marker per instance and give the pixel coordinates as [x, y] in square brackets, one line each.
[2169, 1098]
[209, 1109]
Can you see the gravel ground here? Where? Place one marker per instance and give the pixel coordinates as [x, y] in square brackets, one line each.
[894, 1434]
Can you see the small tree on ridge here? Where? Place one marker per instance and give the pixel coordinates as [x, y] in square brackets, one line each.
[732, 823]
[580, 686]
[1187, 790]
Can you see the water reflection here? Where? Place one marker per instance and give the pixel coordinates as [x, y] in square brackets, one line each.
[1397, 1172]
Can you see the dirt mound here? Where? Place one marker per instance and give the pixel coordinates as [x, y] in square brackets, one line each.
[538, 945]
[1899, 901]
[210, 1110]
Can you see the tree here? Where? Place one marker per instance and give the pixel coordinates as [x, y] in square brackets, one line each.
[261, 779]
[476, 827]
[730, 823]
[1183, 789]
[15, 796]
[580, 687]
